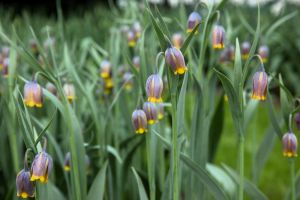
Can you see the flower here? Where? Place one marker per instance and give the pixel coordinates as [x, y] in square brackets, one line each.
[105, 69]
[245, 50]
[218, 37]
[136, 62]
[151, 112]
[289, 145]
[154, 88]
[193, 20]
[5, 65]
[34, 47]
[139, 121]
[33, 94]
[25, 188]
[260, 86]
[41, 167]
[137, 29]
[263, 51]
[175, 60]
[131, 39]
[161, 111]
[127, 80]
[297, 120]
[67, 162]
[177, 40]
[51, 88]
[69, 91]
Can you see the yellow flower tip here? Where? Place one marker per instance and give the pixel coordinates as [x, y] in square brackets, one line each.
[151, 121]
[245, 56]
[225, 98]
[70, 98]
[264, 60]
[128, 87]
[258, 97]
[141, 131]
[104, 75]
[289, 154]
[137, 34]
[155, 100]
[131, 43]
[39, 105]
[23, 195]
[180, 70]
[67, 168]
[218, 46]
[160, 116]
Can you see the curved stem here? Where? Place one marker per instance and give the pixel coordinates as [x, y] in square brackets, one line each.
[150, 166]
[290, 122]
[157, 61]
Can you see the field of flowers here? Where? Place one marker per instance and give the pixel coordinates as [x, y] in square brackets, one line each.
[141, 101]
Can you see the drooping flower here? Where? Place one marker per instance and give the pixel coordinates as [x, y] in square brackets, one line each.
[41, 167]
[263, 51]
[136, 62]
[177, 40]
[175, 60]
[297, 120]
[51, 88]
[193, 20]
[151, 112]
[154, 88]
[33, 94]
[69, 91]
[5, 66]
[137, 29]
[260, 85]
[67, 162]
[105, 69]
[108, 85]
[25, 187]
[245, 50]
[218, 37]
[131, 39]
[139, 121]
[289, 145]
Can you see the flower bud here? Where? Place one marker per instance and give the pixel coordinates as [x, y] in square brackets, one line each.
[25, 188]
[218, 37]
[51, 88]
[177, 40]
[5, 66]
[175, 60]
[245, 50]
[139, 121]
[33, 94]
[151, 112]
[41, 167]
[69, 91]
[154, 88]
[263, 51]
[136, 62]
[289, 145]
[193, 20]
[297, 120]
[105, 69]
[260, 86]
[131, 39]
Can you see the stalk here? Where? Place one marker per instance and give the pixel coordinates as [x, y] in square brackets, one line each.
[151, 170]
[241, 167]
[292, 170]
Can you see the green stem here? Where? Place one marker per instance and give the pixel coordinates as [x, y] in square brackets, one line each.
[151, 171]
[292, 169]
[175, 157]
[241, 167]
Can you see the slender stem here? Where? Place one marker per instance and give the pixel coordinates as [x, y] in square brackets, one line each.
[241, 167]
[150, 162]
[292, 169]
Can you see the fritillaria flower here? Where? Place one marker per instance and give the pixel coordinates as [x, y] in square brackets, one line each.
[175, 60]
[263, 52]
[151, 112]
[139, 121]
[69, 91]
[51, 88]
[136, 62]
[67, 162]
[137, 29]
[289, 145]
[218, 37]
[108, 85]
[41, 167]
[177, 40]
[245, 50]
[5, 66]
[33, 94]
[25, 187]
[260, 85]
[154, 88]
[105, 69]
[297, 120]
[34, 47]
[131, 39]
[193, 20]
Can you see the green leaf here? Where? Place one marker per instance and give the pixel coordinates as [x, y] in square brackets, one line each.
[181, 106]
[249, 187]
[188, 40]
[285, 102]
[142, 191]
[98, 186]
[272, 116]
[238, 86]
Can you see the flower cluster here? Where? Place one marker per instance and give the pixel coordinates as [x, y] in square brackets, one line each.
[133, 33]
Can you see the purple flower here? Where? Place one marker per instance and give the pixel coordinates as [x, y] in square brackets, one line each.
[33, 94]
[245, 50]
[154, 88]
[289, 145]
[139, 121]
[263, 51]
[177, 40]
[175, 60]
[260, 86]
[193, 20]
[41, 167]
[218, 37]
[25, 188]
[151, 112]
[105, 69]
[297, 120]
[69, 91]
